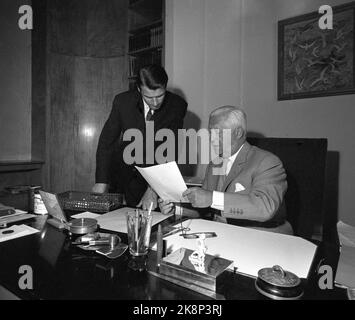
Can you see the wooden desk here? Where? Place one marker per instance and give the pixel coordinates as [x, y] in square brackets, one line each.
[62, 271]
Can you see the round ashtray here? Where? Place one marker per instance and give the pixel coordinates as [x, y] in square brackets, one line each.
[82, 226]
[278, 284]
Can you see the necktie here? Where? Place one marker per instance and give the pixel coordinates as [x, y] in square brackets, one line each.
[222, 176]
[149, 115]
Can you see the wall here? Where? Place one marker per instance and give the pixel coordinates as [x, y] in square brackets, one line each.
[202, 55]
[225, 52]
[15, 84]
[328, 117]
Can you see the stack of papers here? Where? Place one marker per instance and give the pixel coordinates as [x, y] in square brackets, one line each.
[85, 214]
[116, 220]
[345, 276]
[250, 249]
[19, 215]
[15, 231]
[346, 234]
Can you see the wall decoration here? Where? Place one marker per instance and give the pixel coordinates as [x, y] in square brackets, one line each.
[313, 62]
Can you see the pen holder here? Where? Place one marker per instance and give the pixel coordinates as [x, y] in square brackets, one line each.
[139, 224]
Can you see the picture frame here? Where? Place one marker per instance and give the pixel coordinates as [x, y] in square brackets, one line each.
[313, 62]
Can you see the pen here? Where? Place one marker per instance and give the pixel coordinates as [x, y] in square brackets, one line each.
[159, 245]
[171, 232]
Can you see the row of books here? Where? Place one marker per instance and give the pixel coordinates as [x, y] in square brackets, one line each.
[135, 63]
[148, 39]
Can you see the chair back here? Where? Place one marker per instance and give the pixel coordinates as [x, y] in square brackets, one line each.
[305, 163]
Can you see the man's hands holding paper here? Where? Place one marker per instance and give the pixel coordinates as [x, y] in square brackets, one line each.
[198, 197]
[149, 197]
[166, 207]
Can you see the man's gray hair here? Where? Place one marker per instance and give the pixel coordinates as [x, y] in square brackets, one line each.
[234, 116]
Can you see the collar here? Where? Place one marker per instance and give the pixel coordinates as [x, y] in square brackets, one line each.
[233, 156]
[146, 108]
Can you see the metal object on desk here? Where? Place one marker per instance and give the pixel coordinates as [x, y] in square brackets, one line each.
[107, 244]
[82, 226]
[278, 284]
[177, 268]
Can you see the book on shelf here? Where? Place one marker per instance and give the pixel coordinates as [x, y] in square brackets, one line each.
[148, 39]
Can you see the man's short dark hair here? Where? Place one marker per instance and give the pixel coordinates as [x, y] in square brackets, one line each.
[152, 76]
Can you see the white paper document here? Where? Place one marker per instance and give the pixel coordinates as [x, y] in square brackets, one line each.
[250, 249]
[166, 180]
[86, 214]
[116, 220]
[16, 231]
[346, 234]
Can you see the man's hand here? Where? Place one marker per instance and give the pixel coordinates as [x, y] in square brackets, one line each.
[100, 187]
[166, 207]
[198, 197]
[149, 197]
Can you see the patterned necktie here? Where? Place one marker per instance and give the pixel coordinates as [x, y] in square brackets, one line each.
[149, 115]
[222, 176]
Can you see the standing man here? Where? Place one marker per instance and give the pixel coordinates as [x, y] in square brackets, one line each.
[132, 110]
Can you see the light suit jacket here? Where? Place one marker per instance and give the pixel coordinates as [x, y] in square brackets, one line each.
[254, 188]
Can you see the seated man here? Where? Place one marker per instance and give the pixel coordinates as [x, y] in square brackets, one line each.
[246, 187]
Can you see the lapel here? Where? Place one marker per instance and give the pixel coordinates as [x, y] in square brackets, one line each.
[237, 165]
[140, 110]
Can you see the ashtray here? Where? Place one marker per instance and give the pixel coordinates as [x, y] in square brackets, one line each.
[278, 284]
[107, 244]
[97, 240]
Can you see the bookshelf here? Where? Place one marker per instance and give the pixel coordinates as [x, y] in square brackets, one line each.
[145, 35]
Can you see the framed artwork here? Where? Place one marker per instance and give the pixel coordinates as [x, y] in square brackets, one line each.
[313, 62]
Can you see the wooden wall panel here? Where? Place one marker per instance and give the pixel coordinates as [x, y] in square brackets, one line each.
[106, 28]
[93, 28]
[97, 82]
[39, 79]
[67, 26]
[87, 69]
[62, 132]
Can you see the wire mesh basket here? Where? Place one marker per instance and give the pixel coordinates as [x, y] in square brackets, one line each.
[90, 201]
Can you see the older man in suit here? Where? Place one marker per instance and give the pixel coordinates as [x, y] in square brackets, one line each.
[245, 185]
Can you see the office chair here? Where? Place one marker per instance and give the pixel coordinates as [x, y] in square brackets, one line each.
[304, 161]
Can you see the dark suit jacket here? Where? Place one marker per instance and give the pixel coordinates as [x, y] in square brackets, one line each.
[263, 178]
[128, 113]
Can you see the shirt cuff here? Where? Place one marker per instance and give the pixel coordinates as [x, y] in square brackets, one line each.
[218, 200]
[178, 210]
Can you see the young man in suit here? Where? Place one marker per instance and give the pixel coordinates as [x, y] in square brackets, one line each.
[246, 187]
[151, 104]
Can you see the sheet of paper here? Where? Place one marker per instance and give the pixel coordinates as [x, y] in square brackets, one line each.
[16, 231]
[346, 234]
[116, 220]
[251, 250]
[85, 214]
[345, 275]
[18, 216]
[166, 180]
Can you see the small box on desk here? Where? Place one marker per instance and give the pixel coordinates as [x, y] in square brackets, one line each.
[178, 267]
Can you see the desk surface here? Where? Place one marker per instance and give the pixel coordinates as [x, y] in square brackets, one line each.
[62, 271]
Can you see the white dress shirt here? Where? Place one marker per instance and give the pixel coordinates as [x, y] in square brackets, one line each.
[218, 197]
